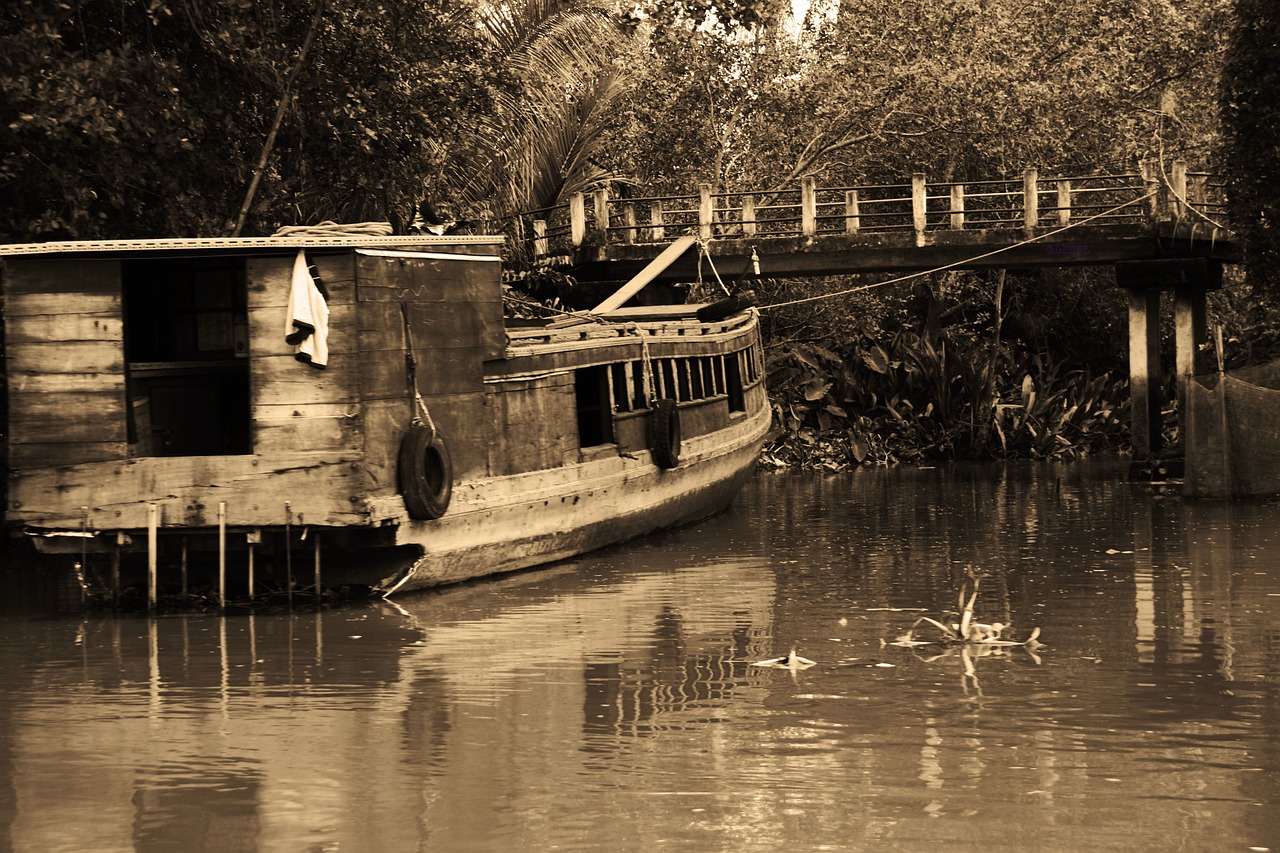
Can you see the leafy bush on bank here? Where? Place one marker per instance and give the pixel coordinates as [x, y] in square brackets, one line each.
[898, 383]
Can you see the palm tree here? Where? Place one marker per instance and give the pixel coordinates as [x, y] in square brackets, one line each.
[539, 146]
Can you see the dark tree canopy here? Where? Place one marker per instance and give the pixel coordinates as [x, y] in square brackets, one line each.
[148, 119]
[1251, 130]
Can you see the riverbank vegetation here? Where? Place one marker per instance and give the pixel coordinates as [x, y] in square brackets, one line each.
[200, 117]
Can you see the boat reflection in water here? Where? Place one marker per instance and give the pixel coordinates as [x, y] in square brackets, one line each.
[368, 728]
[612, 702]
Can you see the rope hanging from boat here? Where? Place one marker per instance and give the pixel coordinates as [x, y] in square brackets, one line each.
[422, 415]
[704, 252]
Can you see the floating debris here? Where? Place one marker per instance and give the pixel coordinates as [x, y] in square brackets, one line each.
[790, 661]
[967, 630]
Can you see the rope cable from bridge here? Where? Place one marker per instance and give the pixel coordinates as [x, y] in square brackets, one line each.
[960, 263]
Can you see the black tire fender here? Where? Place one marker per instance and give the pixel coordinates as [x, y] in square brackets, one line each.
[425, 472]
[664, 433]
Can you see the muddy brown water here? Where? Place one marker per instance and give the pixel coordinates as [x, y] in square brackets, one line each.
[611, 702]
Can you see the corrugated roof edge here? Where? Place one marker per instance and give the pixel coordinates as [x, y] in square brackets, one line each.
[243, 244]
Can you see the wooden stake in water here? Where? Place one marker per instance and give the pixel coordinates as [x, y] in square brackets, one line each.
[222, 554]
[288, 551]
[152, 544]
[315, 544]
[115, 568]
[253, 538]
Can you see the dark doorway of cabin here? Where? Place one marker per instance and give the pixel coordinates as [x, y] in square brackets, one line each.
[187, 351]
[595, 417]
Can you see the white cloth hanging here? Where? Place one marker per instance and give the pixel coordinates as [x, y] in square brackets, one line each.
[307, 323]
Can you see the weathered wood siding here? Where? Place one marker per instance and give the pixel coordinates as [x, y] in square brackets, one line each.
[536, 425]
[297, 407]
[453, 309]
[65, 355]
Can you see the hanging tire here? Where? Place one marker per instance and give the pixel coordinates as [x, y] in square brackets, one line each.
[425, 473]
[664, 433]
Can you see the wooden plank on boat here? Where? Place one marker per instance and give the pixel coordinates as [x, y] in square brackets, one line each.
[98, 357]
[56, 304]
[385, 423]
[534, 427]
[651, 271]
[54, 383]
[23, 455]
[269, 280]
[314, 426]
[323, 488]
[283, 379]
[79, 277]
[59, 418]
[50, 327]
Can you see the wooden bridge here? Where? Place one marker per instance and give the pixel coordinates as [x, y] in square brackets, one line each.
[1161, 229]
[1030, 221]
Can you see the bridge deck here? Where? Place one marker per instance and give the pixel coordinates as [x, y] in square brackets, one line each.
[1026, 222]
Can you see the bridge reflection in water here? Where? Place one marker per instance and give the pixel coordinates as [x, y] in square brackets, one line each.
[611, 702]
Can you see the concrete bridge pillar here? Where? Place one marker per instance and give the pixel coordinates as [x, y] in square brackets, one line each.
[1190, 280]
[1144, 371]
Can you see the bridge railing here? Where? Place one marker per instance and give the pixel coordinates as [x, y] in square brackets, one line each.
[1030, 202]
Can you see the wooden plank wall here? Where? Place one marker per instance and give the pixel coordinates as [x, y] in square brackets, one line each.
[454, 312]
[297, 407]
[65, 353]
[536, 421]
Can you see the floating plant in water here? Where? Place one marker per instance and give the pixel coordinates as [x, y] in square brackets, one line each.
[965, 629]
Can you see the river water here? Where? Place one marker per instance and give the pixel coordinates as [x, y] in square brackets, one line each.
[612, 702]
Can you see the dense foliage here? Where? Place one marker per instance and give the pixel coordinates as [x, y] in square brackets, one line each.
[175, 117]
[149, 119]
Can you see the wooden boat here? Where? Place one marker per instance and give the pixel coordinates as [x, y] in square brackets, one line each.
[280, 413]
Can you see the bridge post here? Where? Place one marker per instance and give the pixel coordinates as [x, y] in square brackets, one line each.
[541, 248]
[919, 205]
[1064, 203]
[577, 219]
[706, 211]
[629, 220]
[1030, 198]
[1144, 371]
[749, 216]
[808, 206]
[1190, 330]
[602, 214]
[852, 218]
[1178, 188]
[957, 207]
[1190, 280]
[1155, 205]
[657, 233]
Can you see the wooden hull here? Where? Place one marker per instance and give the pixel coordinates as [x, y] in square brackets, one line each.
[513, 523]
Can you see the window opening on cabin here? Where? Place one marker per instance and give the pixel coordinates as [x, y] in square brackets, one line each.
[595, 415]
[639, 399]
[733, 382]
[620, 385]
[668, 384]
[186, 343]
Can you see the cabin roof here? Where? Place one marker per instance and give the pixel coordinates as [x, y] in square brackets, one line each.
[243, 245]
